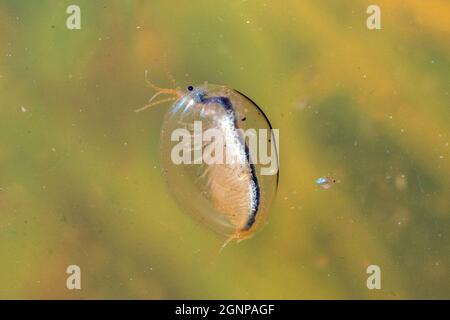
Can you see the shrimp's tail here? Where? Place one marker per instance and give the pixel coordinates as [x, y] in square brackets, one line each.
[238, 236]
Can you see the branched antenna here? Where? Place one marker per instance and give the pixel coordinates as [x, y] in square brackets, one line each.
[154, 104]
[176, 92]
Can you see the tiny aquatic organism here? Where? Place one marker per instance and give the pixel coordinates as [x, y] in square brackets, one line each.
[326, 182]
[231, 198]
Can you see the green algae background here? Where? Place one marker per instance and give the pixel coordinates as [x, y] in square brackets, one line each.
[80, 179]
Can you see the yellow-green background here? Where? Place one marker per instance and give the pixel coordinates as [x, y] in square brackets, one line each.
[79, 170]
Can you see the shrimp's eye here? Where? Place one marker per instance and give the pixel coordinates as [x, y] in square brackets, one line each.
[190, 88]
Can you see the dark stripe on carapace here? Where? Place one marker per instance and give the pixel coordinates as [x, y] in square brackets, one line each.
[227, 105]
[270, 126]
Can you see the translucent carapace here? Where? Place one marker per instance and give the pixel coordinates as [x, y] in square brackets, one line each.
[219, 158]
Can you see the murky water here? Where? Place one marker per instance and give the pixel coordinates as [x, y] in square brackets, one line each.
[80, 180]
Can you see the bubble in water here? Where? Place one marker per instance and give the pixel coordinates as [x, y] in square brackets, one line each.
[326, 182]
